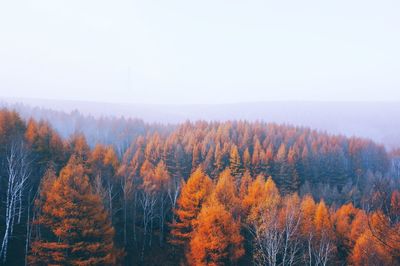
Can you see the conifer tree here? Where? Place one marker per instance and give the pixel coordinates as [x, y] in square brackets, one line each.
[323, 235]
[244, 184]
[256, 157]
[219, 160]
[225, 192]
[235, 164]
[194, 193]
[216, 239]
[78, 228]
[246, 160]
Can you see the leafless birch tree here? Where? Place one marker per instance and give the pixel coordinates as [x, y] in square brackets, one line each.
[17, 178]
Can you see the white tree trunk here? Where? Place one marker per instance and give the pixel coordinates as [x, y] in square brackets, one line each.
[18, 174]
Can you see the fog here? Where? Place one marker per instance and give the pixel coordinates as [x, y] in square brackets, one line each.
[330, 65]
[375, 120]
[186, 52]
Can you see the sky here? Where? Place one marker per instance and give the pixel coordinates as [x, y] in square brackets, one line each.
[194, 52]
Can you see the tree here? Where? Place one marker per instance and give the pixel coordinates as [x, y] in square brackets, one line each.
[247, 160]
[395, 206]
[385, 233]
[256, 159]
[79, 229]
[127, 172]
[45, 145]
[194, 193]
[253, 198]
[262, 208]
[103, 163]
[324, 245]
[245, 182]
[367, 252]
[293, 178]
[225, 193]
[148, 201]
[78, 147]
[196, 157]
[343, 219]
[219, 159]
[163, 179]
[17, 179]
[216, 239]
[290, 218]
[235, 164]
[11, 128]
[307, 208]
[141, 189]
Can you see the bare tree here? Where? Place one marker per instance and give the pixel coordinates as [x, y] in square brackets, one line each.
[148, 201]
[291, 223]
[17, 177]
[323, 249]
[395, 167]
[163, 204]
[28, 227]
[268, 238]
[107, 192]
[173, 190]
[127, 191]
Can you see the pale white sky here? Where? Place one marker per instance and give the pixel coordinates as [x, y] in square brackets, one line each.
[208, 51]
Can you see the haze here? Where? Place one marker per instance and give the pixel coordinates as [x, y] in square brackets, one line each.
[186, 52]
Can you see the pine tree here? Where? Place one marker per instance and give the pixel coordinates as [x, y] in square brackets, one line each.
[78, 228]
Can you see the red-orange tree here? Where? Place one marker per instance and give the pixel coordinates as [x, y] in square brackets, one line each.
[216, 239]
[194, 194]
[77, 229]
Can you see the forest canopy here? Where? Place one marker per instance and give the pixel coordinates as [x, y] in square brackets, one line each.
[198, 193]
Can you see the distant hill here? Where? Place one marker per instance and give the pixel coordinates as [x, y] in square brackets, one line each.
[378, 121]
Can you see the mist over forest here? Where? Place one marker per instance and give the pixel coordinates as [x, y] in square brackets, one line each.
[278, 183]
[200, 133]
[373, 120]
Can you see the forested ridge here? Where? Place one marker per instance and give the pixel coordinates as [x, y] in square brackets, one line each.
[202, 193]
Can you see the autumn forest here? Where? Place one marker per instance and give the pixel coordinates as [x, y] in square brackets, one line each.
[196, 193]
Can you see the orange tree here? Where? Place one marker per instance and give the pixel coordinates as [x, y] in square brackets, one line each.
[76, 228]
